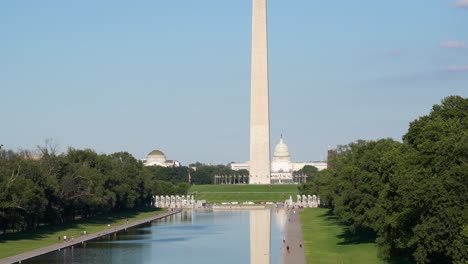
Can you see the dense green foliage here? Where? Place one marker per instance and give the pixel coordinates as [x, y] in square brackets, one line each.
[50, 189]
[200, 173]
[204, 174]
[170, 174]
[411, 196]
[309, 171]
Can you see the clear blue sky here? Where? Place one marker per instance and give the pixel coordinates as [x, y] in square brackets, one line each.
[175, 75]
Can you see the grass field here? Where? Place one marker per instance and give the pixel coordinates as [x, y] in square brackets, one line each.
[242, 193]
[325, 241]
[16, 243]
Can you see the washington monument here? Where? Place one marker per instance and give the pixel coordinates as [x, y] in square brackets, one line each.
[259, 106]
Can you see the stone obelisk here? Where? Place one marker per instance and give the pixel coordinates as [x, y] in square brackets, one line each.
[259, 106]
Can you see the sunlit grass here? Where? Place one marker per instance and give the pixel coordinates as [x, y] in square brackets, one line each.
[242, 193]
[325, 242]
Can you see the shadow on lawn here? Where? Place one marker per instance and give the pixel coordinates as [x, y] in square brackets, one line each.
[45, 231]
[330, 218]
[359, 237]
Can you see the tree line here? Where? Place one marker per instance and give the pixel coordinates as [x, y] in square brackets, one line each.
[412, 196]
[44, 187]
[47, 188]
[199, 173]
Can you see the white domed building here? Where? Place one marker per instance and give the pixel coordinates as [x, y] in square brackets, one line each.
[281, 166]
[158, 158]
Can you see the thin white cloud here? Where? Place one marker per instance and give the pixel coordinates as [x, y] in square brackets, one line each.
[455, 44]
[462, 3]
[455, 68]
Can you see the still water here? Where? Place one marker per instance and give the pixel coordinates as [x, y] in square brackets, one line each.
[194, 237]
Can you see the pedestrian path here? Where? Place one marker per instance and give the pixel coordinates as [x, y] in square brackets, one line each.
[294, 240]
[44, 250]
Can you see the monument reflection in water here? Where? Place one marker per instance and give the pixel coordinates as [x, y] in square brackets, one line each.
[205, 237]
[260, 248]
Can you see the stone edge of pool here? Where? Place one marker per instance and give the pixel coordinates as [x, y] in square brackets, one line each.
[56, 247]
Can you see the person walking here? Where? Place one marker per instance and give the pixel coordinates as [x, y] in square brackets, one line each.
[288, 249]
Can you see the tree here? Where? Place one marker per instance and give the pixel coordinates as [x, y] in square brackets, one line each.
[51, 188]
[411, 195]
[309, 171]
[435, 201]
[22, 201]
[170, 174]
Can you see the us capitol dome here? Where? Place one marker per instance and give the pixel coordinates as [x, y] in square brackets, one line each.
[282, 168]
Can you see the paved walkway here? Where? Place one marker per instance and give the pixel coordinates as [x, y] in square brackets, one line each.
[44, 250]
[293, 240]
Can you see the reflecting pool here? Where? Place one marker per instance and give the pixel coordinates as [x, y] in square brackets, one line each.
[203, 237]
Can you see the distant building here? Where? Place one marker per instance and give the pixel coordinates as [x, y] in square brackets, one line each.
[320, 165]
[239, 166]
[157, 158]
[282, 168]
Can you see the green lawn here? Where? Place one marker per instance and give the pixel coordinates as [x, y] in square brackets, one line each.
[16, 243]
[242, 193]
[325, 241]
